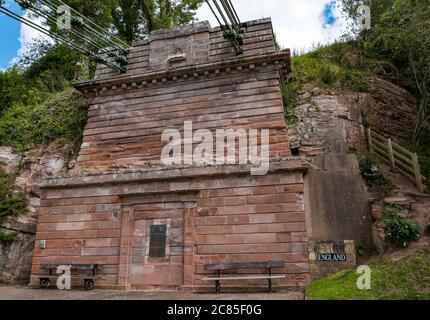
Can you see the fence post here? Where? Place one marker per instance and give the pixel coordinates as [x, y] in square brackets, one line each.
[417, 173]
[369, 139]
[391, 153]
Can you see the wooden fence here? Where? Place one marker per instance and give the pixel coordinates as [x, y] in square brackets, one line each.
[398, 157]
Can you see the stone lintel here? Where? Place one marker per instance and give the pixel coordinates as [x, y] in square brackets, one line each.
[171, 173]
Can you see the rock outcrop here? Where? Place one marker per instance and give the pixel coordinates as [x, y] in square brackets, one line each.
[330, 126]
[16, 256]
[387, 108]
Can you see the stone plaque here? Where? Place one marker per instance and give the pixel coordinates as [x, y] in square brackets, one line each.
[157, 241]
[332, 257]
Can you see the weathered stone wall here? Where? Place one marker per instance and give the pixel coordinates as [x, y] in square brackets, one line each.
[125, 127]
[128, 113]
[387, 108]
[229, 218]
[339, 207]
[338, 203]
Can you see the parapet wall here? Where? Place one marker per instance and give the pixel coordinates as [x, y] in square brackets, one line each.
[199, 42]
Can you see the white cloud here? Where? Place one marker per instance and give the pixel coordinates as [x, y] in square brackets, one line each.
[28, 35]
[298, 24]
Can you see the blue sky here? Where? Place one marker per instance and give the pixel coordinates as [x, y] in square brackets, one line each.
[329, 13]
[9, 35]
[298, 24]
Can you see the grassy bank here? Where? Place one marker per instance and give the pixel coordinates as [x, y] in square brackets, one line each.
[406, 279]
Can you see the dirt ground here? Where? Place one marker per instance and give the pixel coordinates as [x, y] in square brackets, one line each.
[23, 293]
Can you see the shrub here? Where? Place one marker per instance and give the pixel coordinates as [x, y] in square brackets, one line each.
[381, 186]
[357, 80]
[11, 203]
[62, 116]
[328, 74]
[369, 162]
[361, 250]
[289, 96]
[6, 237]
[399, 230]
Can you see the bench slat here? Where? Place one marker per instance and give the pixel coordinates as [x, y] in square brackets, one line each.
[73, 266]
[244, 278]
[71, 277]
[246, 265]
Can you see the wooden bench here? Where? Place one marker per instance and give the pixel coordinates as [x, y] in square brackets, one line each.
[269, 265]
[45, 281]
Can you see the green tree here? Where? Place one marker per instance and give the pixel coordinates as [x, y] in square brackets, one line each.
[401, 33]
[126, 19]
[129, 19]
[15, 87]
[52, 71]
[133, 19]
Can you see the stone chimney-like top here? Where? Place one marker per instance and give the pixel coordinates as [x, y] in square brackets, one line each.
[191, 45]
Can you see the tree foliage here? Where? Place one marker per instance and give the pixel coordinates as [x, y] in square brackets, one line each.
[400, 33]
[37, 104]
[137, 18]
[60, 117]
[11, 203]
[131, 19]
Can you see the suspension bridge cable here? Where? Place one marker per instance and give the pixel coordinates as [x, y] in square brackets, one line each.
[101, 49]
[231, 16]
[213, 11]
[96, 25]
[228, 13]
[50, 18]
[232, 26]
[119, 46]
[85, 51]
[31, 24]
[54, 15]
[221, 13]
[234, 11]
[229, 5]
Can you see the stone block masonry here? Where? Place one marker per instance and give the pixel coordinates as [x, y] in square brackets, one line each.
[105, 211]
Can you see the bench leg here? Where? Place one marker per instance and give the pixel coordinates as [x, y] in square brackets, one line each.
[217, 286]
[44, 283]
[88, 284]
[270, 280]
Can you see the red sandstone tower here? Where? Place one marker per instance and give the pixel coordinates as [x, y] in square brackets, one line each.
[153, 226]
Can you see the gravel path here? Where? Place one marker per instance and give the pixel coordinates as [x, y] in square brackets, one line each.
[22, 293]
